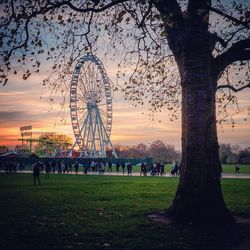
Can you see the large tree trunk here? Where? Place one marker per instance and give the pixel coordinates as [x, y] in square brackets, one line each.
[199, 198]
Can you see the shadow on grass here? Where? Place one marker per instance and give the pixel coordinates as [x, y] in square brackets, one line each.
[231, 236]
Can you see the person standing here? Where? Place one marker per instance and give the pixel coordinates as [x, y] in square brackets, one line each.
[123, 167]
[59, 167]
[129, 167]
[162, 169]
[142, 169]
[117, 166]
[36, 174]
[67, 167]
[85, 167]
[76, 166]
[70, 166]
[145, 169]
[110, 166]
[53, 166]
[237, 169]
[47, 169]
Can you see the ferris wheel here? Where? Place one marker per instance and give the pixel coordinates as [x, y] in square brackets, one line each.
[91, 108]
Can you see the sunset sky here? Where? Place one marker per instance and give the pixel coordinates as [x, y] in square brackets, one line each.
[26, 103]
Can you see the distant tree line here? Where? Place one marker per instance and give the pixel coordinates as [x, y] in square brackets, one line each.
[232, 154]
[158, 150]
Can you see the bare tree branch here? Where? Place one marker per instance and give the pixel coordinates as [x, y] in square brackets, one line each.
[228, 86]
[173, 20]
[84, 10]
[23, 44]
[234, 33]
[146, 14]
[235, 20]
[239, 51]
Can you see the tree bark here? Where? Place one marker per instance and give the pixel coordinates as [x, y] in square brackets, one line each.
[199, 198]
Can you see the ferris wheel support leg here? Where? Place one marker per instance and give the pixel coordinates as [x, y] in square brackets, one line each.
[92, 131]
[76, 141]
[108, 140]
[84, 126]
[87, 140]
[101, 136]
[99, 133]
[84, 145]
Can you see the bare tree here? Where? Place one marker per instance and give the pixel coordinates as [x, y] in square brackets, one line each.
[189, 48]
[160, 151]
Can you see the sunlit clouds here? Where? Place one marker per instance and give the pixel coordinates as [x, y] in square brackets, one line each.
[28, 103]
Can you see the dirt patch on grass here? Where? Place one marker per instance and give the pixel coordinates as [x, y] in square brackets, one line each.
[242, 219]
[159, 217]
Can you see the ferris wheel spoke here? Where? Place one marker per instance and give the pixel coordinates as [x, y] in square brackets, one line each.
[82, 93]
[88, 76]
[103, 110]
[82, 119]
[103, 115]
[84, 85]
[84, 82]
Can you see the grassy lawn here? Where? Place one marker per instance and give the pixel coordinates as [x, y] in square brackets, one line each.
[102, 212]
[227, 168]
[244, 169]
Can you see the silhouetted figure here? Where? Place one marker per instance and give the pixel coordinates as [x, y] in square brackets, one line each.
[123, 167]
[117, 166]
[237, 169]
[162, 169]
[110, 166]
[53, 166]
[59, 167]
[101, 167]
[179, 172]
[63, 167]
[85, 167]
[129, 167]
[175, 169]
[47, 169]
[36, 174]
[142, 169]
[95, 166]
[70, 167]
[76, 166]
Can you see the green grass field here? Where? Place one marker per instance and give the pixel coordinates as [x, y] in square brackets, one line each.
[227, 168]
[103, 212]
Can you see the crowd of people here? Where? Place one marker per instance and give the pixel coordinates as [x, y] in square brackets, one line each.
[68, 166]
[10, 165]
[176, 168]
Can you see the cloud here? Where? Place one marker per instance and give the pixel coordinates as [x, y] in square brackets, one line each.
[20, 104]
[5, 116]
